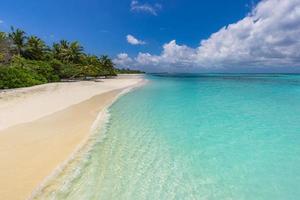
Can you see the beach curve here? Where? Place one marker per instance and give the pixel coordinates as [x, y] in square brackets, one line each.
[31, 151]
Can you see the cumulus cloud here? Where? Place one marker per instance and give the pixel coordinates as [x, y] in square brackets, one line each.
[267, 37]
[123, 60]
[135, 6]
[134, 41]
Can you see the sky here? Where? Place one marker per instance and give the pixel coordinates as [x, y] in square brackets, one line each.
[170, 36]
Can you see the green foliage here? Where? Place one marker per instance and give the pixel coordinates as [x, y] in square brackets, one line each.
[68, 52]
[15, 77]
[35, 48]
[41, 68]
[2, 36]
[29, 61]
[18, 37]
[129, 71]
[5, 48]
[68, 71]
[108, 66]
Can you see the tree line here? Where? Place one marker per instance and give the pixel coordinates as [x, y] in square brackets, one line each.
[26, 60]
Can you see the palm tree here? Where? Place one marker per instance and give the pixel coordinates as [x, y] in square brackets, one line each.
[91, 65]
[68, 52]
[64, 44]
[35, 48]
[59, 49]
[56, 50]
[108, 65]
[2, 36]
[18, 37]
[5, 48]
[106, 61]
[75, 51]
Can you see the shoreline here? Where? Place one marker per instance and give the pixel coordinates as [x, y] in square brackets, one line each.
[22, 105]
[84, 147]
[34, 152]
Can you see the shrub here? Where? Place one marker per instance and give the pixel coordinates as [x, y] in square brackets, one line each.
[16, 77]
[42, 68]
[69, 71]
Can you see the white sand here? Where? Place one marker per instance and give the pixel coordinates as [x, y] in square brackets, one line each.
[43, 126]
[29, 104]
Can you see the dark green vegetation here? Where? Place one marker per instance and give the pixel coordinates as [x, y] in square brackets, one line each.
[27, 60]
[128, 71]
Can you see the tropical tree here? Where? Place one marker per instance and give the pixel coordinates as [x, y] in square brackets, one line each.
[108, 65]
[5, 48]
[92, 65]
[68, 52]
[74, 52]
[2, 36]
[2, 46]
[35, 48]
[27, 60]
[18, 38]
[64, 44]
[58, 48]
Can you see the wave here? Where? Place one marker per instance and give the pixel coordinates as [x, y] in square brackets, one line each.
[71, 169]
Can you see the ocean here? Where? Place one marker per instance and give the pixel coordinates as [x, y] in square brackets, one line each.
[195, 136]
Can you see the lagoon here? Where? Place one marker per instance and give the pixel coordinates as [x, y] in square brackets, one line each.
[200, 136]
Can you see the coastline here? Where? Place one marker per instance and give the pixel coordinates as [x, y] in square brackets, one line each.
[24, 105]
[34, 152]
[60, 177]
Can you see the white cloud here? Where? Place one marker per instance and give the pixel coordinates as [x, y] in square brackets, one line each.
[134, 41]
[266, 37]
[135, 6]
[123, 60]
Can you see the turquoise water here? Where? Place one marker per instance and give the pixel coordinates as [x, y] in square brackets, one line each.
[210, 137]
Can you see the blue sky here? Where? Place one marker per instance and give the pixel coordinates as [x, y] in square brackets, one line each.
[102, 26]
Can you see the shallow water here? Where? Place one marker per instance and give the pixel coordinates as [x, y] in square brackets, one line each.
[211, 136]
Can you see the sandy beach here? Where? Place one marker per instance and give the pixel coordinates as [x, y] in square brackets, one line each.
[41, 126]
